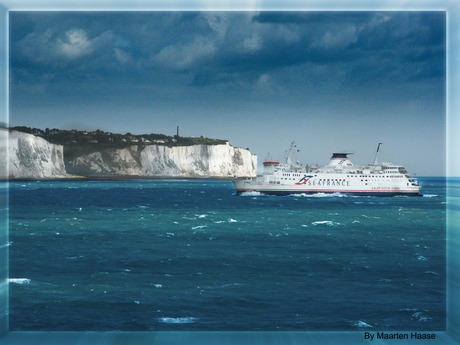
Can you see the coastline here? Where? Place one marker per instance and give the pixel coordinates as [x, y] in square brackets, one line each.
[118, 178]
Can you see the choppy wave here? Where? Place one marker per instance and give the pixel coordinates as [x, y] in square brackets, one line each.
[361, 324]
[19, 280]
[321, 195]
[420, 316]
[199, 227]
[431, 272]
[252, 194]
[232, 284]
[178, 319]
[325, 222]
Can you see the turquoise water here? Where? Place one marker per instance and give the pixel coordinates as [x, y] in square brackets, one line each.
[147, 255]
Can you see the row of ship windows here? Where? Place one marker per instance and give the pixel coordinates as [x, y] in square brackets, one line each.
[298, 175]
[385, 176]
[395, 176]
[318, 180]
[369, 176]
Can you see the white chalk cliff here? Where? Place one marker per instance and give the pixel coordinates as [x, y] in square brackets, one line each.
[30, 156]
[160, 160]
[3, 153]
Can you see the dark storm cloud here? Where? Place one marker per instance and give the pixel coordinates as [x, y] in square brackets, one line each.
[313, 18]
[219, 47]
[96, 42]
[95, 53]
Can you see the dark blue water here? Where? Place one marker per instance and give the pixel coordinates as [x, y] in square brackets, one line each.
[191, 255]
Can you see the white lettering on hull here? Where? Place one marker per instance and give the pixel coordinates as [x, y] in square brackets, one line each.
[331, 183]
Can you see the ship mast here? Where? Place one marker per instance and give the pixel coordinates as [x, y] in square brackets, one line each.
[288, 158]
[377, 154]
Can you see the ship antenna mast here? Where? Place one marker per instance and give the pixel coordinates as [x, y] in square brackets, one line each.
[288, 158]
[377, 154]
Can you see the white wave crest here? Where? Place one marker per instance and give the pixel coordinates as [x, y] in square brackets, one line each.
[232, 284]
[251, 193]
[429, 195]
[19, 280]
[178, 319]
[361, 324]
[420, 316]
[199, 227]
[321, 195]
[325, 222]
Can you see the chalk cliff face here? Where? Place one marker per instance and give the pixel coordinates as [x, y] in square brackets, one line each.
[160, 160]
[3, 154]
[33, 157]
[30, 156]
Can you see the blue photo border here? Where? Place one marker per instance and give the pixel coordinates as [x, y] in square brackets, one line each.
[452, 333]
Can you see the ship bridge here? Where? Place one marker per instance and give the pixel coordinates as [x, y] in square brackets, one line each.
[339, 161]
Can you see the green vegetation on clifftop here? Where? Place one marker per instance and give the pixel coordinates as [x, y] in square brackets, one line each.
[100, 139]
[80, 143]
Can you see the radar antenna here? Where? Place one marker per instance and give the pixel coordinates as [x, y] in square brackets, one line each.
[377, 154]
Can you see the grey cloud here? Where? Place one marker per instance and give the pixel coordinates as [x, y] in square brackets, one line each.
[55, 48]
[227, 47]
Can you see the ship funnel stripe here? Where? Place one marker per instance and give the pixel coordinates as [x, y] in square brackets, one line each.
[340, 155]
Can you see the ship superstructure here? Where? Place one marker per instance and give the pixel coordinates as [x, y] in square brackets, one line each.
[339, 175]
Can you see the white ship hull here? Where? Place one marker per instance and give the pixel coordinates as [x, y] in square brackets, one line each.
[338, 176]
[379, 189]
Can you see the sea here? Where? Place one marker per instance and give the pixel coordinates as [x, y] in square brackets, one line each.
[192, 255]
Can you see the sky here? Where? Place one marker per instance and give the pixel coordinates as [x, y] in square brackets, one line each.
[332, 81]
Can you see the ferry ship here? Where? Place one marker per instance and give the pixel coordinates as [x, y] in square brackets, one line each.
[340, 175]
